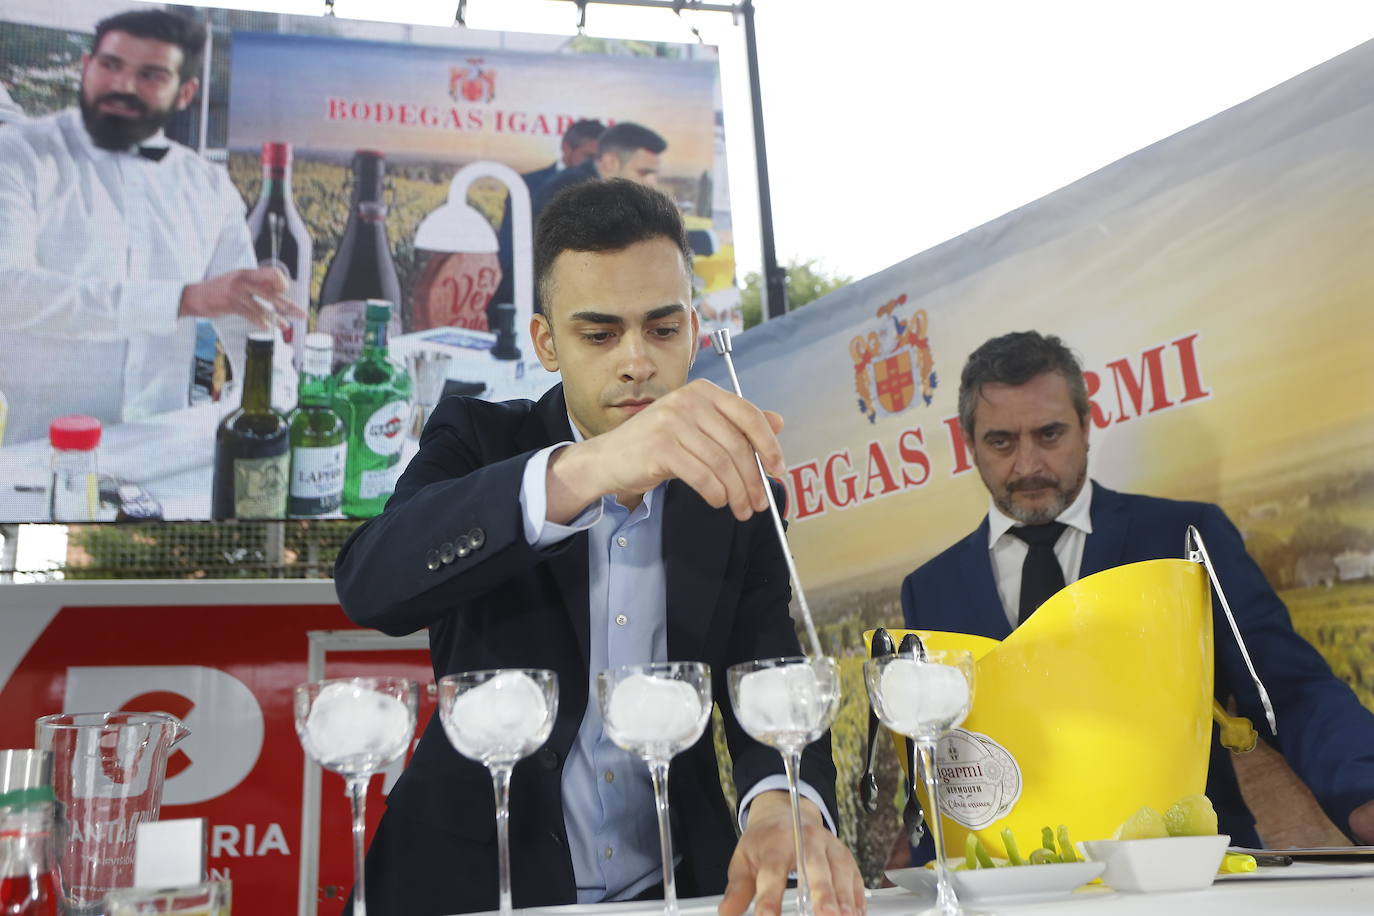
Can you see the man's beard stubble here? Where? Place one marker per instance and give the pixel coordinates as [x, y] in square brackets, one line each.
[1043, 514]
[113, 132]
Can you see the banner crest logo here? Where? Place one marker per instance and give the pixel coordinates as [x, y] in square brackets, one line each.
[892, 360]
[472, 82]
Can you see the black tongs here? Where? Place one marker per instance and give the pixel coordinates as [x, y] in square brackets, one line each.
[880, 647]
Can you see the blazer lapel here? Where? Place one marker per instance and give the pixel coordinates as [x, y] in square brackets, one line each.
[1105, 546]
[696, 546]
[984, 615]
[549, 424]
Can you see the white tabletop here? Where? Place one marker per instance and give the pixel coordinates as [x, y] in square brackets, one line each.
[1267, 895]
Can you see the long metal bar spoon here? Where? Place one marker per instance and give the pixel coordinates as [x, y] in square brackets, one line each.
[812, 685]
[720, 342]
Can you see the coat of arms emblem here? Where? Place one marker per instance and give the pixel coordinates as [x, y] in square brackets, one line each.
[893, 361]
[472, 82]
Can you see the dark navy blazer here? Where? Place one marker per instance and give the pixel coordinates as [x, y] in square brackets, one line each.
[1324, 732]
[503, 603]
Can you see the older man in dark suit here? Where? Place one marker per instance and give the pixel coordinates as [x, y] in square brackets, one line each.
[1023, 406]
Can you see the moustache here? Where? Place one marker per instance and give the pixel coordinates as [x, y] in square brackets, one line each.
[1032, 483]
[132, 101]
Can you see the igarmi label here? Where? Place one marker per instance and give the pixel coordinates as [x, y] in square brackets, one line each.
[978, 778]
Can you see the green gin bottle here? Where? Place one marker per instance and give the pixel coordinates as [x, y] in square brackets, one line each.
[373, 394]
[319, 437]
[252, 448]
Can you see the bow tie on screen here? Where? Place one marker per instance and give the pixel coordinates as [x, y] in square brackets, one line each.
[1041, 574]
[154, 153]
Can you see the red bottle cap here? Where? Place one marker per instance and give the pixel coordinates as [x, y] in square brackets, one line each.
[74, 433]
[276, 155]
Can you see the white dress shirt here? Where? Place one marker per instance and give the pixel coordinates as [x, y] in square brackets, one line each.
[1009, 552]
[95, 249]
[608, 798]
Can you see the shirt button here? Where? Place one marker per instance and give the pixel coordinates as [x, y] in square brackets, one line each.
[621, 620]
[609, 852]
[623, 541]
[610, 776]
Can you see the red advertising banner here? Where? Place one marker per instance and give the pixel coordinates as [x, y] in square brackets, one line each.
[224, 657]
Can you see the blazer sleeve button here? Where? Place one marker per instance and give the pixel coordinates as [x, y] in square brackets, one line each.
[432, 560]
[477, 538]
[548, 758]
[462, 546]
[446, 553]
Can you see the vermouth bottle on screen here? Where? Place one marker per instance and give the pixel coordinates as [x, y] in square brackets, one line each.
[373, 394]
[252, 446]
[362, 267]
[319, 437]
[280, 238]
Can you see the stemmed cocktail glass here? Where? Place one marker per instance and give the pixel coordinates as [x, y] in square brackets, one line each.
[787, 703]
[355, 726]
[498, 718]
[657, 710]
[923, 696]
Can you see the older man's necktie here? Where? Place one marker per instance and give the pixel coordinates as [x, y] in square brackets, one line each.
[1041, 574]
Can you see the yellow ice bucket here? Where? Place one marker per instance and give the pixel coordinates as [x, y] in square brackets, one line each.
[1099, 703]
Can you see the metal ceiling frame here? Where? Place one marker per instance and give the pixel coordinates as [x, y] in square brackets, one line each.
[775, 279]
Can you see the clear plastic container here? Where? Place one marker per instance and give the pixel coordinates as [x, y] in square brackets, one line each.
[74, 491]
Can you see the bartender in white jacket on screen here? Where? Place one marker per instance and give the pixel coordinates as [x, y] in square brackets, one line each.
[113, 241]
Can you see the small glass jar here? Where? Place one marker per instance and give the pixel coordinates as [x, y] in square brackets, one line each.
[74, 491]
[29, 878]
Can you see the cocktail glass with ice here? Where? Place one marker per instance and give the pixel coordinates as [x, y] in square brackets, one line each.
[498, 718]
[787, 703]
[923, 696]
[355, 726]
[657, 710]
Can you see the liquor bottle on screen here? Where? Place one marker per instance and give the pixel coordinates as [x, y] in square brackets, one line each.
[373, 394]
[252, 446]
[280, 238]
[319, 437]
[362, 267]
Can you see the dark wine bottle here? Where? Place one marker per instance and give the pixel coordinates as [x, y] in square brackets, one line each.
[362, 267]
[280, 238]
[252, 446]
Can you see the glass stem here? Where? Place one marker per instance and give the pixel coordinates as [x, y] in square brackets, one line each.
[791, 760]
[500, 783]
[945, 901]
[357, 797]
[658, 772]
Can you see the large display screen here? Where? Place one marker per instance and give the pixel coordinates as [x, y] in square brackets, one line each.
[384, 170]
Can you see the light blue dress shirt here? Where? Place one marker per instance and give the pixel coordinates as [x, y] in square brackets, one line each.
[608, 798]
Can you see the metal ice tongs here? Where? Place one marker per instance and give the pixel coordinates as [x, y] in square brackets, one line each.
[1196, 551]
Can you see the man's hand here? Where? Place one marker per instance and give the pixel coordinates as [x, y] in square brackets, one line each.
[1362, 824]
[700, 434]
[765, 856]
[257, 294]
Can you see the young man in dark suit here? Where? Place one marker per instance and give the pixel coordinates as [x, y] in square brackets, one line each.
[617, 520]
[1023, 407]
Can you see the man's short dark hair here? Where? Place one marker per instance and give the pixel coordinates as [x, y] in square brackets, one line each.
[627, 137]
[159, 25]
[603, 215]
[582, 131]
[1014, 359]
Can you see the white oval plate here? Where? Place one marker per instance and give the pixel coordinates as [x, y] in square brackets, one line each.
[1012, 881]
